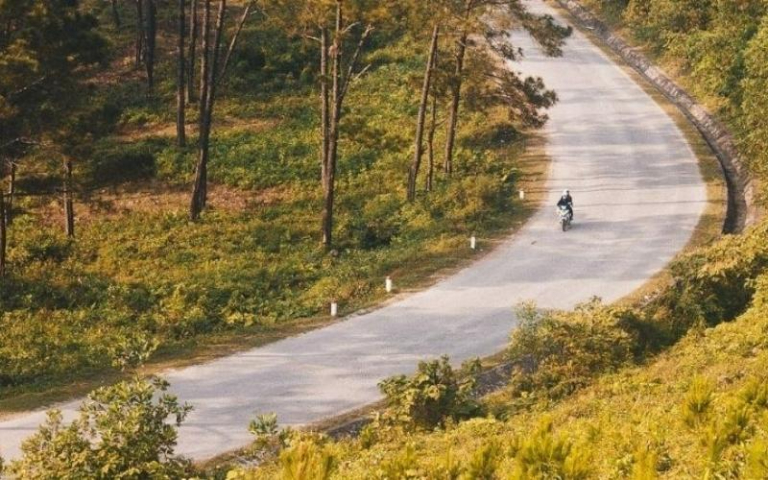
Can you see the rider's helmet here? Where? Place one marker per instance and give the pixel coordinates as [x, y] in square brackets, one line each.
[566, 192]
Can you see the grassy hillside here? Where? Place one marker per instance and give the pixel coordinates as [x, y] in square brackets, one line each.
[138, 275]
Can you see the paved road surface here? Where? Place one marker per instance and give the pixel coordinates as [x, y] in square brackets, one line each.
[638, 196]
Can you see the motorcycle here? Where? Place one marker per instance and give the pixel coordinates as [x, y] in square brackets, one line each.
[566, 217]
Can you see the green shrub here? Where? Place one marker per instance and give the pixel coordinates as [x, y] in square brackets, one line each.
[379, 222]
[697, 403]
[44, 248]
[403, 465]
[115, 163]
[306, 460]
[556, 353]
[433, 395]
[122, 432]
[726, 440]
[544, 455]
[483, 463]
[757, 460]
[644, 466]
[713, 284]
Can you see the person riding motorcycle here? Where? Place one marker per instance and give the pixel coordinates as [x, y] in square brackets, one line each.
[566, 201]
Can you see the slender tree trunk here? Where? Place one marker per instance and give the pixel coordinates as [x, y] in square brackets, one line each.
[3, 237]
[329, 180]
[324, 105]
[139, 45]
[150, 41]
[201, 173]
[233, 42]
[453, 115]
[418, 147]
[181, 135]
[69, 211]
[115, 14]
[205, 58]
[11, 194]
[207, 97]
[431, 145]
[193, 22]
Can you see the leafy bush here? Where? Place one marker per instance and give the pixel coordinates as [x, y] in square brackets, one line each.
[556, 353]
[433, 395]
[713, 285]
[121, 433]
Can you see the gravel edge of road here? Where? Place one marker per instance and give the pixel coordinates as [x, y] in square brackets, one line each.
[743, 210]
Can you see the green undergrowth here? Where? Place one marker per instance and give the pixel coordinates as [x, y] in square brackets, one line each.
[147, 278]
[674, 389]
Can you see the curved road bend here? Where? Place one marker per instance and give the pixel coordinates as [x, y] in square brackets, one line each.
[638, 196]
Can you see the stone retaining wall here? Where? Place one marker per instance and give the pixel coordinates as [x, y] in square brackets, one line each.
[743, 210]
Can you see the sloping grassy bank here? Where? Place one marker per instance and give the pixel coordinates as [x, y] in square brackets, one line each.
[140, 276]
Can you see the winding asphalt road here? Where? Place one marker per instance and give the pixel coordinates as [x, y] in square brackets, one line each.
[638, 195]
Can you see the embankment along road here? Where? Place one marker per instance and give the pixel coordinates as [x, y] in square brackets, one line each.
[638, 195]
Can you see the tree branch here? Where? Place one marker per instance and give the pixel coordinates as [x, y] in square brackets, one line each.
[350, 75]
[233, 42]
[28, 87]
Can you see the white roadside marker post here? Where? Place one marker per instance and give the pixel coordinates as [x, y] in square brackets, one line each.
[522, 194]
[473, 242]
[334, 309]
[388, 285]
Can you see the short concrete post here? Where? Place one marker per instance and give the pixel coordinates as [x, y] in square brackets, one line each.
[388, 284]
[334, 309]
[522, 194]
[473, 243]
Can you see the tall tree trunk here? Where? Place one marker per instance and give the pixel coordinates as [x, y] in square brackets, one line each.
[181, 135]
[201, 173]
[150, 40]
[431, 145]
[3, 236]
[329, 180]
[207, 98]
[193, 22]
[69, 211]
[324, 105]
[233, 42]
[115, 14]
[418, 147]
[11, 193]
[453, 115]
[139, 45]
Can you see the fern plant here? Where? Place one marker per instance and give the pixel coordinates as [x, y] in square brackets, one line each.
[697, 402]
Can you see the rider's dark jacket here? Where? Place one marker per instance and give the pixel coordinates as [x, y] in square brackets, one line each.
[565, 201]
